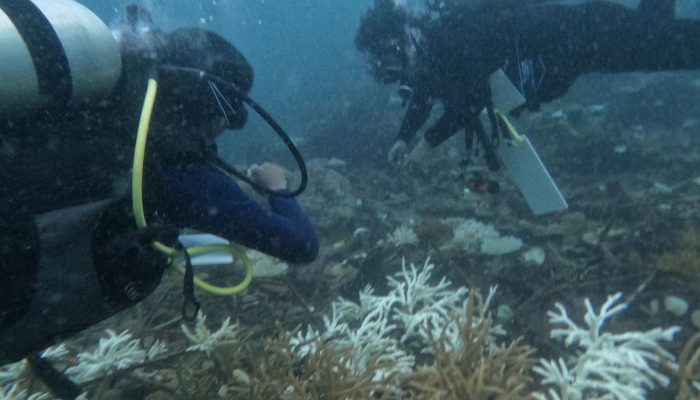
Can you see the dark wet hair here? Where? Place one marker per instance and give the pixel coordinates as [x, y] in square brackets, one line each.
[379, 24]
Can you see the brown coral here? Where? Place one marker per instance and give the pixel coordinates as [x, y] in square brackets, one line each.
[473, 371]
[684, 260]
[689, 369]
[280, 373]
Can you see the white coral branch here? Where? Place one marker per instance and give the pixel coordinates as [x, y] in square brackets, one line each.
[207, 341]
[114, 352]
[611, 366]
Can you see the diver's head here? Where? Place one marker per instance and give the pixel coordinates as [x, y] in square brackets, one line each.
[383, 36]
[189, 59]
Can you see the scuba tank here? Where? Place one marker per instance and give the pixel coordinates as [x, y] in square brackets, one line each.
[55, 53]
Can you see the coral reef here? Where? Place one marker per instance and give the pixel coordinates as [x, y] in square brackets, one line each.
[414, 335]
[684, 260]
[613, 366]
[688, 371]
[474, 370]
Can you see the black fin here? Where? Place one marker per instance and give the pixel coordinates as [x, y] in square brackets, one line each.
[658, 9]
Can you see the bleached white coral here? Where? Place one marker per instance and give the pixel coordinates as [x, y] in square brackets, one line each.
[207, 341]
[55, 353]
[157, 348]
[265, 265]
[11, 380]
[11, 372]
[402, 236]
[305, 343]
[114, 352]
[423, 308]
[382, 325]
[609, 366]
[477, 237]
[14, 392]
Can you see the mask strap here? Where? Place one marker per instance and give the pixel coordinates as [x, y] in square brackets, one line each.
[219, 97]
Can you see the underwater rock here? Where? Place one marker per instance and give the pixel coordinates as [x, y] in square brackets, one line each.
[336, 163]
[695, 318]
[500, 245]
[675, 305]
[534, 256]
[662, 188]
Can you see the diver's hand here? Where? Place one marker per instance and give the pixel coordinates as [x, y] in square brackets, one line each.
[269, 176]
[420, 154]
[398, 152]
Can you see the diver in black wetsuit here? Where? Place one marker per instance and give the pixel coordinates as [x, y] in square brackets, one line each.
[447, 55]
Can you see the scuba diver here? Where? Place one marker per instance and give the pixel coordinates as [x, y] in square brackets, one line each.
[75, 102]
[448, 51]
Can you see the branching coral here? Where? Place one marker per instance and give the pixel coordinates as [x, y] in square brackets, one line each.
[688, 374]
[612, 366]
[395, 328]
[114, 352]
[322, 372]
[472, 371]
[13, 392]
[207, 341]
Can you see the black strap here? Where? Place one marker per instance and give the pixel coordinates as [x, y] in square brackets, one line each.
[190, 305]
[265, 116]
[60, 385]
[49, 57]
[489, 143]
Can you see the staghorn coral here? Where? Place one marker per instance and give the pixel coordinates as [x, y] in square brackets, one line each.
[417, 323]
[472, 371]
[323, 373]
[688, 372]
[207, 341]
[114, 352]
[620, 366]
[399, 325]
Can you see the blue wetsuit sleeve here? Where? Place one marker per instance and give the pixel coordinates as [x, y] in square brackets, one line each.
[206, 199]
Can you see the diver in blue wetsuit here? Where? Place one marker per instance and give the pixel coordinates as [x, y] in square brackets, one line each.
[70, 252]
[447, 54]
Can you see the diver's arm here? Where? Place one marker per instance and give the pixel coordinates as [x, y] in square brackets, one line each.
[447, 125]
[206, 199]
[417, 113]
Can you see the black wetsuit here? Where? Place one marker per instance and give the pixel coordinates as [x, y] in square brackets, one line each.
[461, 49]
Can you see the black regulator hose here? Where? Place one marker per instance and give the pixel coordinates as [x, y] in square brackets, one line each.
[201, 74]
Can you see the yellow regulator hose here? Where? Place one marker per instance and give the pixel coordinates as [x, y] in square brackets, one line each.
[512, 132]
[140, 216]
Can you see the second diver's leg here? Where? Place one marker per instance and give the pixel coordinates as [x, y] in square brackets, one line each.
[629, 40]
